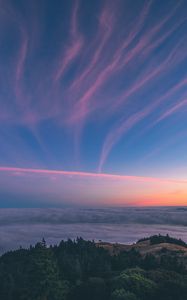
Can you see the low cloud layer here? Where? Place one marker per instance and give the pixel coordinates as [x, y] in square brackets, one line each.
[127, 215]
[124, 225]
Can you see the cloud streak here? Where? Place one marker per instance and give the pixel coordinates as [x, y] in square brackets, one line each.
[106, 27]
[111, 68]
[86, 174]
[124, 126]
[73, 49]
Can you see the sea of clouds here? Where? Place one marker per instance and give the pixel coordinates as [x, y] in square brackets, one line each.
[22, 227]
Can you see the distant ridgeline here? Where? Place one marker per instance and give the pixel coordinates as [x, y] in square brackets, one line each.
[82, 270]
[158, 239]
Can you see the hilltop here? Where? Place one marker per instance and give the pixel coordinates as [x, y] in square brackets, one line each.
[157, 245]
[151, 245]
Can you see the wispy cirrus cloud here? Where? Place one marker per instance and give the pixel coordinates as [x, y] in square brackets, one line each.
[172, 110]
[109, 69]
[97, 71]
[80, 73]
[107, 20]
[73, 47]
[125, 125]
[122, 57]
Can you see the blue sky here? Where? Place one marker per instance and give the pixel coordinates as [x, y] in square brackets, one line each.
[93, 87]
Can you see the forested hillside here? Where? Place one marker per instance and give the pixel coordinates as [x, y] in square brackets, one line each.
[80, 269]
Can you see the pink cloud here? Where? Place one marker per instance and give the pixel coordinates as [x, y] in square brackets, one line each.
[121, 59]
[50, 101]
[104, 74]
[73, 47]
[172, 110]
[70, 54]
[167, 98]
[106, 28]
[22, 55]
[20, 97]
[24, 171]
[165, 66]
[117, 132]
[168, 143]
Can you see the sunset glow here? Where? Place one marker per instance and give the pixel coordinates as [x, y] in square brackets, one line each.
[59, 186]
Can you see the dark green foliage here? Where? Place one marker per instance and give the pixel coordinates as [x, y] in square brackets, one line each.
[136, 282]
[126, 260]
[79, 270]
[158, 239]
[170, 285]
[122, 294]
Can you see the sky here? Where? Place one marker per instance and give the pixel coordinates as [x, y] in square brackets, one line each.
[93, 103]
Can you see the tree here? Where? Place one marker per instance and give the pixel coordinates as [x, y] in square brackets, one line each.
[122, 294]
[43, 276]
[135, 281]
